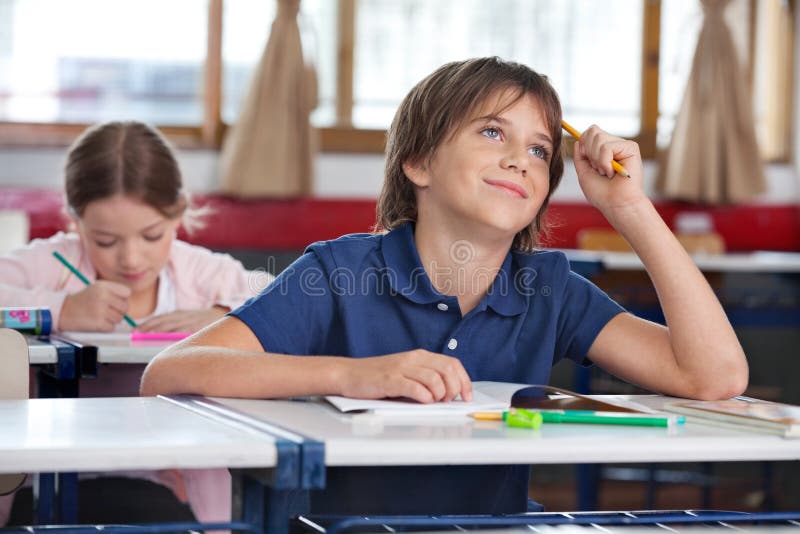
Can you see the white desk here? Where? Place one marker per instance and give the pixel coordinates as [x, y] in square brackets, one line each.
[41, 352]
[365, 440]
[118, 347]
[92, 434]
[758, 289]
[107, 434]
[753, 262]
[42, 435]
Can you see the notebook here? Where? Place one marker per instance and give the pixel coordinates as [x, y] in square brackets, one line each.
[490, 396]
[744, 413]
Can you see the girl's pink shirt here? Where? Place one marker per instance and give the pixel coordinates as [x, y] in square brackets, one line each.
[31, 276]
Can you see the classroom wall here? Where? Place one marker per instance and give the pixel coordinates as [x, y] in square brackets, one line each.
[336, 175]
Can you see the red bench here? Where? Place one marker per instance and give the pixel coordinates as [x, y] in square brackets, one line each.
[292, 224]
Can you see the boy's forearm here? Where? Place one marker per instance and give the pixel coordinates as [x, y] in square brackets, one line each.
[703, 341]
[224, 372]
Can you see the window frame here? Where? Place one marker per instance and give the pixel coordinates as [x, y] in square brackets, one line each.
[343, 137]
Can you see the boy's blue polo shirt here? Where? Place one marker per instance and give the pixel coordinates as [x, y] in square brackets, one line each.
[368, 295]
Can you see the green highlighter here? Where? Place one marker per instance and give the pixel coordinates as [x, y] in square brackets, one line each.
[522, 418]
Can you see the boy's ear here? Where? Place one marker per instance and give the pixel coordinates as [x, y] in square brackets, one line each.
[417, 173]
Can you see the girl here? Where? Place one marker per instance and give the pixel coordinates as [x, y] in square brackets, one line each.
[455, 290]
[125, 199]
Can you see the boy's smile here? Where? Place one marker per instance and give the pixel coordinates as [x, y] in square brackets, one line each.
[508, 187]
[490, 177]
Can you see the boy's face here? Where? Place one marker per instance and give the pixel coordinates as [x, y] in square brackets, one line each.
[127, 240]
[492, 175]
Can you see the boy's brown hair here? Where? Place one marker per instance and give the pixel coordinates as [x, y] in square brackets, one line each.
[437, 107]
[124, 157]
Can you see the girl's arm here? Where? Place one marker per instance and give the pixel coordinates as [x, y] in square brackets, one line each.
[28, 277]
[214, 284]
[227, 360]
[698, 354]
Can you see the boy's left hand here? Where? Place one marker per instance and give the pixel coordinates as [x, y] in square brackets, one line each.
[603, 188]
[182, 320]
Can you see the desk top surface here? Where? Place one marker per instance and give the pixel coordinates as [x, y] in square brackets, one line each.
[117, 347]
[753, 262]
[41, 352]
[101, 434]
[366, 439]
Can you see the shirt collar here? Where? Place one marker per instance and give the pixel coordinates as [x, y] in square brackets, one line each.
[408, 278]
[505, 295]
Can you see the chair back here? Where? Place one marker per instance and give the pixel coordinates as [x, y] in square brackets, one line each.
[14, 384]
[609, 240]
[14, 229]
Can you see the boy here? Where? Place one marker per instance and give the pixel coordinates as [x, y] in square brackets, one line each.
[455, 292]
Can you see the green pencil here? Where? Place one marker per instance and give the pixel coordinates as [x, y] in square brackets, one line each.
[584, 417]
[85, 280]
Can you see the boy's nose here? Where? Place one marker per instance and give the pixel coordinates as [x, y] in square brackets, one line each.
[513, 161]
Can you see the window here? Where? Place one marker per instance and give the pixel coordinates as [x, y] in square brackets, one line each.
[680, 27]
[246, 27]
[185, 64]
[583, 46]
[59, 65]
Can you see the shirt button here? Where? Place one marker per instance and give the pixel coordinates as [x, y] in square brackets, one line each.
[452, 344]
[442, 306]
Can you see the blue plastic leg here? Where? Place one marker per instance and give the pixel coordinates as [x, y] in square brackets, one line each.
[652, 486]
[766, 486]
[44, 498]
[588, 475]
[68, 497]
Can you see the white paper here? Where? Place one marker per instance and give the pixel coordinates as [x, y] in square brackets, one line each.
[480, 402]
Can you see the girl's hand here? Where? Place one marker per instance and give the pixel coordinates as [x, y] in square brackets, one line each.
[418, 374]
[182, 320]
[603, 188]
[98, 308]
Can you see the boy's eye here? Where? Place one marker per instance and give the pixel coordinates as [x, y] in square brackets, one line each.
[491, 132]
[539, 152]
[154, 237]
[104, 244]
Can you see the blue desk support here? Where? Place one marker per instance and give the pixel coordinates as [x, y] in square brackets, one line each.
[269, 498]
[55, 495]
[85, 357]
[60, 379]
[75, 361]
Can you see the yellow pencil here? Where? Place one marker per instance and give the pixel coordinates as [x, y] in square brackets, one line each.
[487, 416]
[577, 135]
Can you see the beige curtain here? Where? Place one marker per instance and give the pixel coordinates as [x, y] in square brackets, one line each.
[713, 156]
[270, 150]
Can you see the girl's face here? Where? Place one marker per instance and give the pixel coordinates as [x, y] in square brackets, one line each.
[128, 241]
[493, 174]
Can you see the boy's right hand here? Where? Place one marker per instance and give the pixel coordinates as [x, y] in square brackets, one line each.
[98, 308]
[417, 374]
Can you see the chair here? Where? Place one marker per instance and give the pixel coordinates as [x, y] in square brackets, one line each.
[16, 229]
[609, 240]
[602, 239]
[13, 385]
[705, 243]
